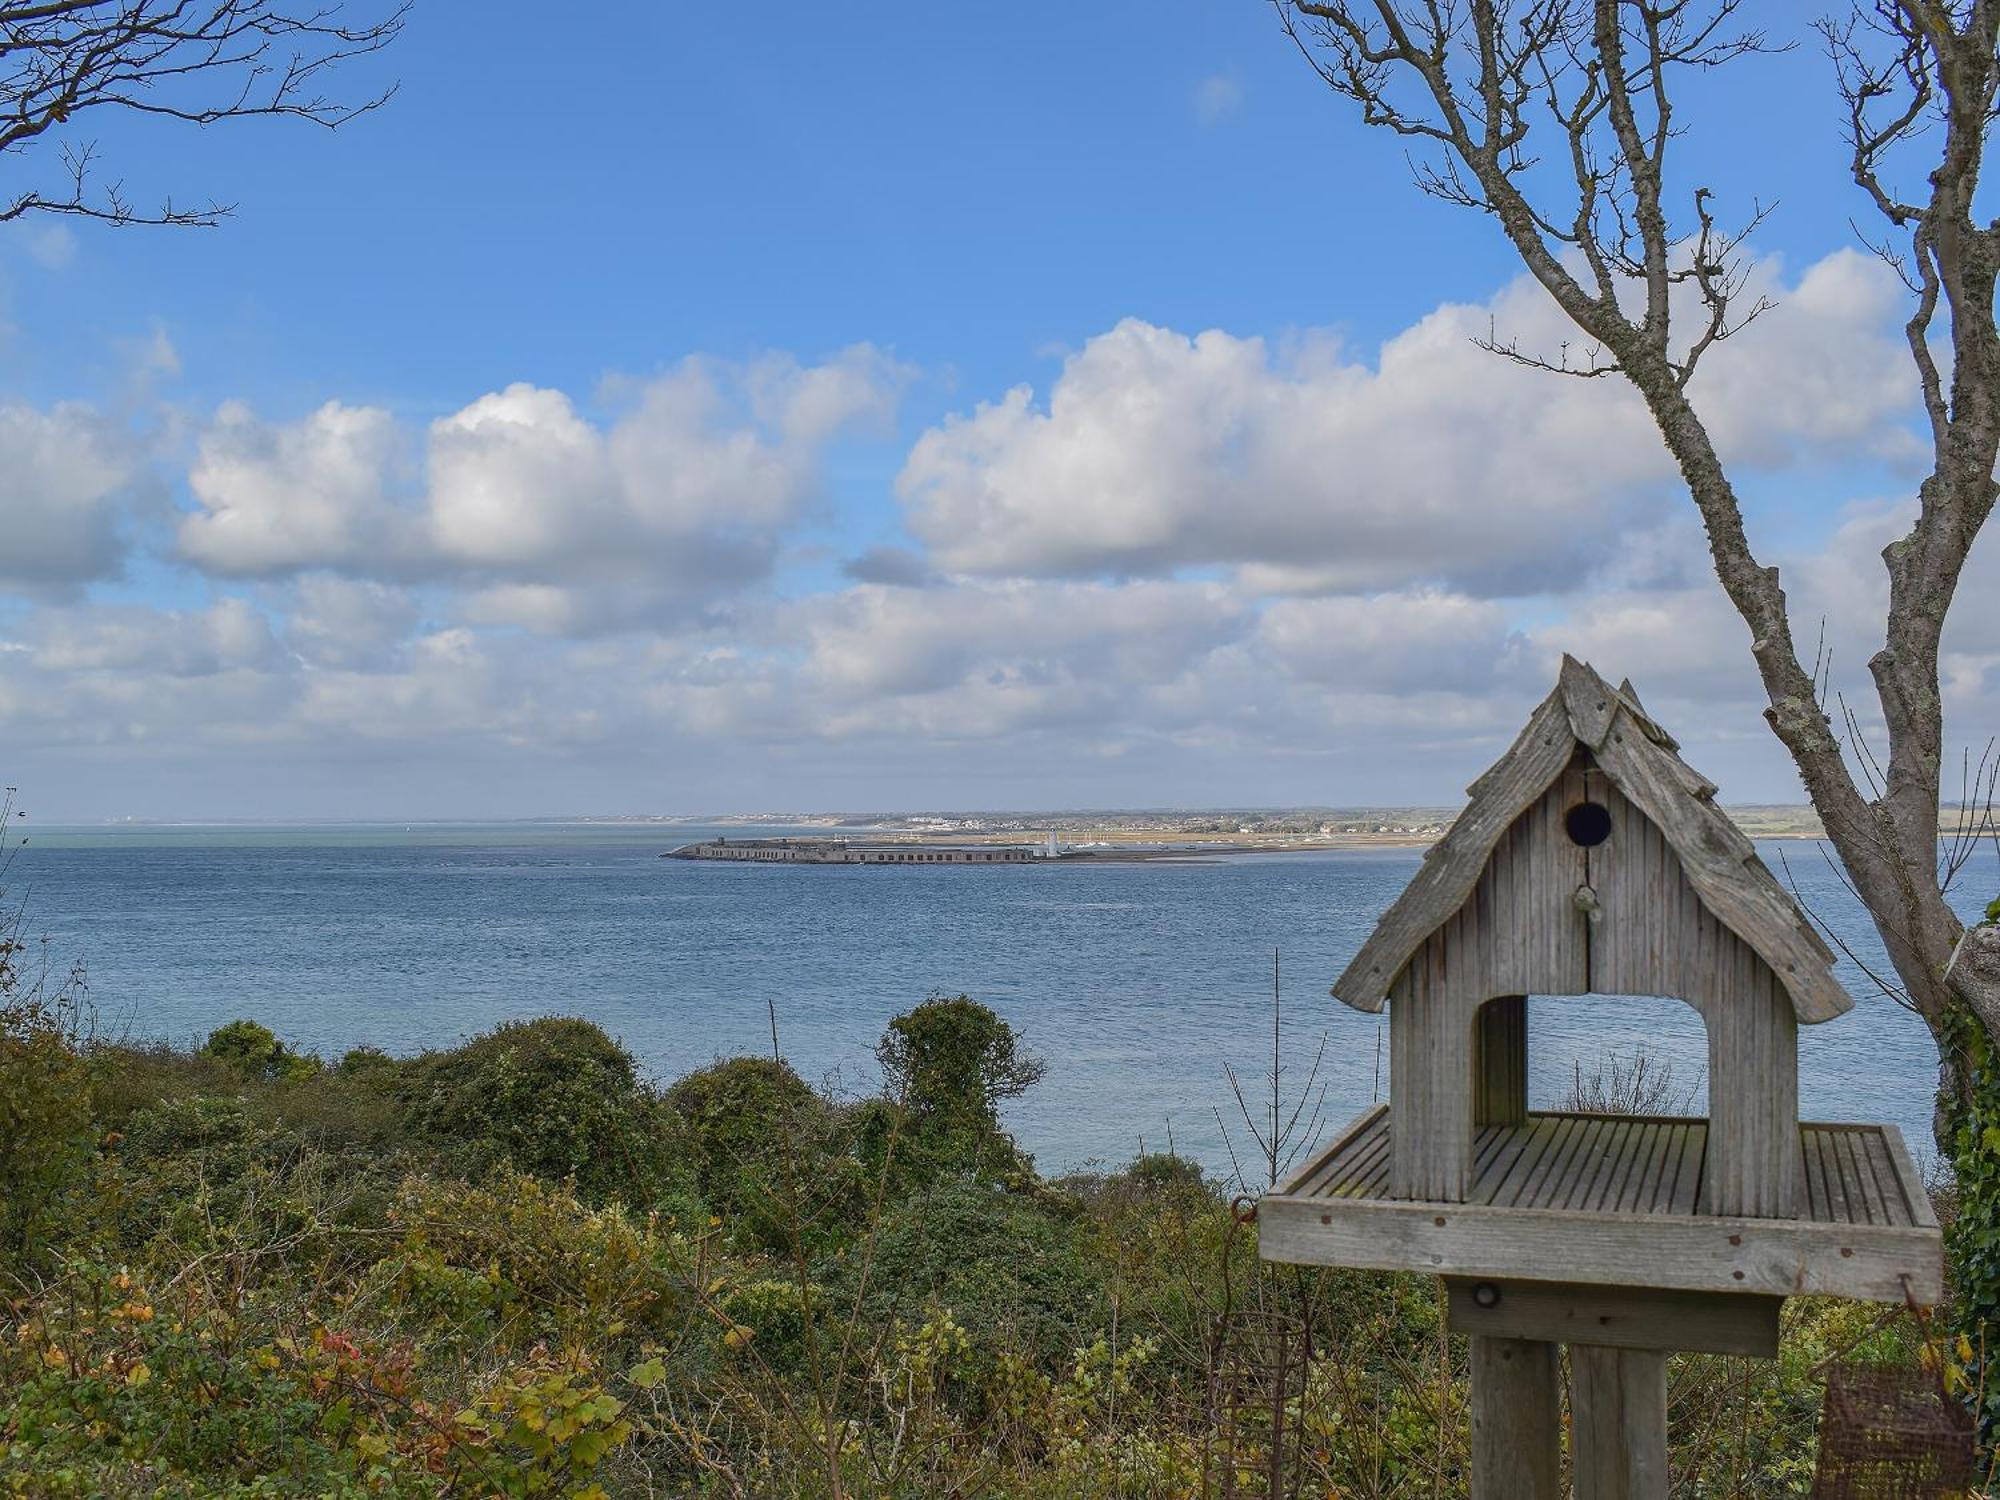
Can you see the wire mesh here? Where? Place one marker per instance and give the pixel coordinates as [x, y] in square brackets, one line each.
[1889, 1433]
[1257, 1381]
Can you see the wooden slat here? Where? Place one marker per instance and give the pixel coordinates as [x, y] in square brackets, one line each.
[1631, 1143]
[1359, 1152]
[1916, 1197]
[1688, 1174]
[1837, 1185]
[1864, 1193]
[1631, 1166]
[1516, 1156]
[1549, 1172]
[1501, 1163]
[1880, 1204]
[1646, 1190]
[1600, 1147]
[1813, 1188]
[1693, 1252]
[1359, 1126]
[1368, 1171]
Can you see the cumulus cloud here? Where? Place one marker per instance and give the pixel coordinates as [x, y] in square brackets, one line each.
[1437, 464]
[313, 493]
[1026, 651]
[67, 477]
[347, 622]
[1313, 576]
[555, 519]
[228, 636]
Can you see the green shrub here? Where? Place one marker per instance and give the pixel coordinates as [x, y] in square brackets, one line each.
[254, 1051]
[1009, 1271]
[556, 1098]
[47, 1132]
[950, 1063]
[533, 1258]
[770, 1155]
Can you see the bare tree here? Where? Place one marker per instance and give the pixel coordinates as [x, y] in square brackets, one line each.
[67, 63]
[1556, 118]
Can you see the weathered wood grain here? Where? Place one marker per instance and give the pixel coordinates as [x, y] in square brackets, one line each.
[1618, 1423]
[1908, 1177]
[1636, 1164]
[1680, 1251]
[1454, 863]
[1597, 742]
[1516, 1420]
[1618, 1317]
[1328, 1157]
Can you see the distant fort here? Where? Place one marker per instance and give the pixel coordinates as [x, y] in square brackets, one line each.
[823, 851]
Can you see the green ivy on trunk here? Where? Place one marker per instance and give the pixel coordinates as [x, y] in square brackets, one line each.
[1973, 1239]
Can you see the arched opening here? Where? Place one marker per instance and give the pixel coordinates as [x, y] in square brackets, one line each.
[1617, 1054]
[1590, 1054]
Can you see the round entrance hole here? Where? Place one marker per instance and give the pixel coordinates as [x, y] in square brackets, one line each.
[1588, 824]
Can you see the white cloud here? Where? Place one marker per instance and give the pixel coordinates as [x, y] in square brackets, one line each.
[1438, 464]
[348, 622]
[1210, 568]
[67, 477]
[313, 493]
[557, 520]
[227, 636]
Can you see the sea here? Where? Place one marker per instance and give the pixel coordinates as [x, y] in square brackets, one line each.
[1160, 994]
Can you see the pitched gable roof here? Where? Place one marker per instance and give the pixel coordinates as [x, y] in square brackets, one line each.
[1641, 760]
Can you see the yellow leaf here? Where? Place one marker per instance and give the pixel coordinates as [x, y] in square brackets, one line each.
[138, 1374]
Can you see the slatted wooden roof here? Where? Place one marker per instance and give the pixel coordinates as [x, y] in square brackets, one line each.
[1642, 760]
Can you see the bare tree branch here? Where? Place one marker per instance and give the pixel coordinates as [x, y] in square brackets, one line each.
[65, 62]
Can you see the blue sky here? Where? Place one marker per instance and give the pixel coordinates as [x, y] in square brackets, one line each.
[759, 272]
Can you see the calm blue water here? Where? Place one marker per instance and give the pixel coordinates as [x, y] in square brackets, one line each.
[1137, 982]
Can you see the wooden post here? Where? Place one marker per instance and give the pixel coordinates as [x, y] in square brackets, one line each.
[1618, 1422]
[1516, 1420]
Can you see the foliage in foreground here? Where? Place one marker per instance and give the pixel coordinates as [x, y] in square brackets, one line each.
[517, 1268]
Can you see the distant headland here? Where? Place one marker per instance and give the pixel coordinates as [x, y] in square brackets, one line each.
[1025, 838]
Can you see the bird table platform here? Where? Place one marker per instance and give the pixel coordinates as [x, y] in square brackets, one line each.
[1591, 860]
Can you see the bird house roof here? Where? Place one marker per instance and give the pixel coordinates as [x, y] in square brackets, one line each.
[1641, 759]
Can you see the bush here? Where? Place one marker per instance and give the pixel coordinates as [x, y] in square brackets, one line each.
[254, 1051]
[741, 1116]
[1004, 1266]
[46, 1127]
[950, 1063]
[555, 1098]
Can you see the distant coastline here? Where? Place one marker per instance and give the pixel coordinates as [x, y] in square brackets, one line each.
[1148, 832]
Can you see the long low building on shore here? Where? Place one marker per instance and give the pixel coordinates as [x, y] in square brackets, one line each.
[847, 852]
